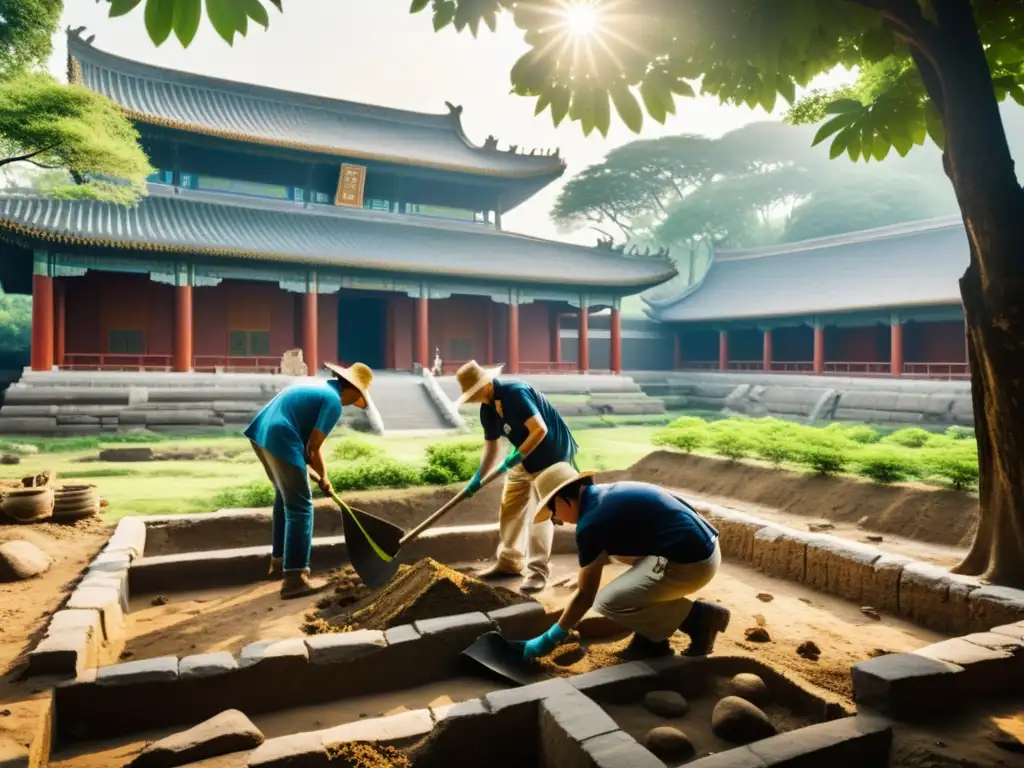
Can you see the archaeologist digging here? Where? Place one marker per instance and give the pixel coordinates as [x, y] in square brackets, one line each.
[673, 552]
[540, 438]
[287, 435]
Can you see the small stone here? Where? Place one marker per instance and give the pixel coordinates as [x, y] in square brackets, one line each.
[750, 687]
[862, 522]
[669, 744]
[230, 731]
[666, 703]
[737, 720]
[765, 597]
[160, 600]
[874, 539]
[757, 635]
[10, 458]
[104, 503]
[809, 650]
[20, 560]
[870, 612]
[820, 527]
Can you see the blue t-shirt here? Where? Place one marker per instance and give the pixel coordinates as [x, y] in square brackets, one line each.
[640, 520]
[284, 425]
[519, 403]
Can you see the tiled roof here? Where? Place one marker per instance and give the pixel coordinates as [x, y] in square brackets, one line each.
[219, 224]
[900, 266]
[245, 112]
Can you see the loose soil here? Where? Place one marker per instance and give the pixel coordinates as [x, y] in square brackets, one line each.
[361, 754]
[25, 608]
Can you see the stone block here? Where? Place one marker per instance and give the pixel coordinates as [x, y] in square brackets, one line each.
[341, 647]
[459, 710]
[107, 601]
[933, 597]
[740, 757]
[906, 685]
[840, 567]
[403, 633]
[882, 585]
[459, 630]
[986, 670]
[618, 750]
[851, 742]
[735, 532]
[110, 561]
[206, 665]
[520, 622]
[230, 731]
[1011, 630]
[991, 606]
[297, 750]
[397, 730]
[117, 580]
[781, 552]
[526, 695]
[129, 537]
[622, 682]
[574, 718]
[65, 652]
[160, 670]
[290, 651]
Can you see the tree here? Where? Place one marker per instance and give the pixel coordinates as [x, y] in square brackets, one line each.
[26, 33]
[935, 68]
[15, 324]
[228, 17]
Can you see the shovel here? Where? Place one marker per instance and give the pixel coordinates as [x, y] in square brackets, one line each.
[503, 658]
[373, 543]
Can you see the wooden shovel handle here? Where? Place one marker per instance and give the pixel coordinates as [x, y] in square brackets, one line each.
[459, 497]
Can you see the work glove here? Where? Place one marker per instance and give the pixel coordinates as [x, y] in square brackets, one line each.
[474, 485]
[511, 460]
[544, 644]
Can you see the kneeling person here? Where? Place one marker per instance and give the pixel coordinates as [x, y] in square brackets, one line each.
[674, 552]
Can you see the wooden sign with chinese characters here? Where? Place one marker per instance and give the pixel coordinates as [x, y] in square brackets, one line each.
[351, 181]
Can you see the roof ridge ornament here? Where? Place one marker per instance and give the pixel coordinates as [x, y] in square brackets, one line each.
[76, 34]
[455, 110]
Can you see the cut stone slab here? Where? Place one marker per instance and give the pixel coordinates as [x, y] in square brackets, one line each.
[577, 716]
[20, 560]
[781, 553]
[740, 722]
[906, 685]
[65, 652]
[735, 531]
[129, 537]
[619, 750]
[230, 731]
[160, 670]
[991, 606]
[1011, 630]
[985, 670]
[206, 665]
[292, 649]
[666, 703]
[935, 598]
[341, 647]
[107, 601]
[840, 567]
[861, 740]
[395, 730]
[621, 682]
[296, 749]
[520, 622]
[882, 586]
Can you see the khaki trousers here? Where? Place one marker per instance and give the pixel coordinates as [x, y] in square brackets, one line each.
[518, 507]
[652, 597]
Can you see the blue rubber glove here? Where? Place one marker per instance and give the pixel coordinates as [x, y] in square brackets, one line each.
[544, 644]
[511, 460]
[474, 485]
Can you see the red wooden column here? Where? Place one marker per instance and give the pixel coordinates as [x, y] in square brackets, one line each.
[421, 353]
[615, 353]
[896, 348]
[59, 322]
[819, 350]
[556, 336]
[723, 350]
[490, 333]
[766, 354]
[512, 364]
[181, 360]
[310, 309]
[42, 318]
[583, 345]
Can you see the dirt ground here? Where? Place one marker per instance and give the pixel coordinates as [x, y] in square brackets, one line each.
[25, 607]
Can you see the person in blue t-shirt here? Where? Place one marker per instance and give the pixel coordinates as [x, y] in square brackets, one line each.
[540, 438]
[287, 434]
[673, 552]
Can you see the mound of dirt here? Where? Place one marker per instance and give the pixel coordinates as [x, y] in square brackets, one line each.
[362, 754]
[425, 590]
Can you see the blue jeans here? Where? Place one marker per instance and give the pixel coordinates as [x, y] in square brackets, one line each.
[292, 537]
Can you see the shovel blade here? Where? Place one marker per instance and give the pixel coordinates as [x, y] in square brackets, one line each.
[372, 546]
[495, 653]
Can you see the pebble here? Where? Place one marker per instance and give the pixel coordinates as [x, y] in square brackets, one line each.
[160, 600]
[765, 597]
[750, 687]
[666, 703]
[874, 539]
[819, 527]
[740, 722]
[10, 458]
[669, 744]
[757, 635]
[870, 612]
[809, 650]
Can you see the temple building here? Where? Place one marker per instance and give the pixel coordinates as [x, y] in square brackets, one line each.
[883, 302]
[280, 220]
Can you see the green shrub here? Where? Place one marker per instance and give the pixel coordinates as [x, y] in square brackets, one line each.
[353, 449]
[825, 457]
[244, 496]
[435, 475]
[776, 449]
[959, 468]
[375, 473]
[686, 422]
[911, 437]
[861, 433]
[960, 433]
[731, 443]
[459, 460]
[685, 438]
[886, 466]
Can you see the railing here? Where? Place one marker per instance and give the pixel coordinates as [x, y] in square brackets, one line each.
[948, 371]
[859, 369]
[235, 364]
[542, 366]
[792, 366]
[88, 361]
[746, 365]
[937, 370]
[698, 365]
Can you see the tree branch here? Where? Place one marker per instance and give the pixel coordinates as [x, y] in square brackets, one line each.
[22, 158]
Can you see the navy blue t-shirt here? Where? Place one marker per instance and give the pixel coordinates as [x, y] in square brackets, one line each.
[640, 520]
[519, 403]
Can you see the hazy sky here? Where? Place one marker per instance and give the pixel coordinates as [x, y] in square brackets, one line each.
[376, 52]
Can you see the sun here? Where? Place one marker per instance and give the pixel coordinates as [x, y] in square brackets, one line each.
[581, 18]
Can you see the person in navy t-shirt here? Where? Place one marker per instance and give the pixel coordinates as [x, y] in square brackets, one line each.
[539, 436]
[673, 552]
[287, 434]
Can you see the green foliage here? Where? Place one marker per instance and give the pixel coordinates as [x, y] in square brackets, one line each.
[15, 323]
[958, 467]
[911, 437]
[729, 439]
[886, 465]
[75, 444]
[687, 438]
[824, 457]
[858, 433]
[49, 124]
[960, 433]
[376, 473]
[353, 449]
[228, 17]
[455, 460]
[245, 496]
[26, 34]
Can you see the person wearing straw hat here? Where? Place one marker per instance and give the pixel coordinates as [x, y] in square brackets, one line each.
[540, 438]
[672, 550]
[287, 435]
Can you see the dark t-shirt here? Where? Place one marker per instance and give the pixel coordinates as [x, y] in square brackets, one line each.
[519, 403]
[639, 520]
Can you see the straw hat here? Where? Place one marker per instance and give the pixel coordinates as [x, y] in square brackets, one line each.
[358, 375]
[473, 377]
[551, 481]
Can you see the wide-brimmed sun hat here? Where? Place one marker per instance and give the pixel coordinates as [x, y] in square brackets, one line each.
[358, 375]
[551, 481]
[473, 377]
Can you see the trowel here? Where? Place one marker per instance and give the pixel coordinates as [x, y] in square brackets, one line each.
[503, 657]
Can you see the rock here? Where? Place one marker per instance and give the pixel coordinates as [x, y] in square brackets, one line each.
[765, 597]
[737, 720]
[820, 527]
[862, 522]
[20, 560]
[230, 731]
[750, 687]
[870, 612]
[159, 600]
[135, 453]
[10, 459]
[669, 744]
[666, 703]
[757, 635]
[874, 539]
[809, 650]
[104, 503]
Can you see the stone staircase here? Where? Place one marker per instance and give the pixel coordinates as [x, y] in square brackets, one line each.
[405, 403]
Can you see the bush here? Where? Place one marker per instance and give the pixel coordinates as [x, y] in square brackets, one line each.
[731, 443]
[959, 468]
[353, 449]
[824, 457]
[244, 496]
[861, 433]
[686, 422]
[776, 449]
[435, 475]
[685, 438]
[459, 461]
[886, 466]
[911, 437]
[364, 475]
[960, 433]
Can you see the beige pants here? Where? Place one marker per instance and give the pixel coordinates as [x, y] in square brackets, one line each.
[652, 597]
[518, 506]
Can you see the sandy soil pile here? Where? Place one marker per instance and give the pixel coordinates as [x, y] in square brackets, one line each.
[425, 590]
[362, 754]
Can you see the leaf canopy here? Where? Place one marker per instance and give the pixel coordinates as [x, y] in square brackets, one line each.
[227, 17]
[26, 34]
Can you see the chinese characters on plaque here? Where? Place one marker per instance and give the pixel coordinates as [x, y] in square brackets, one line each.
[351, 181]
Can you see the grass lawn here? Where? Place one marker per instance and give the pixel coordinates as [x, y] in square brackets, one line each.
[189, 486]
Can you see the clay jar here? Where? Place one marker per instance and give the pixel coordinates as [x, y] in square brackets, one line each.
[28, 505]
